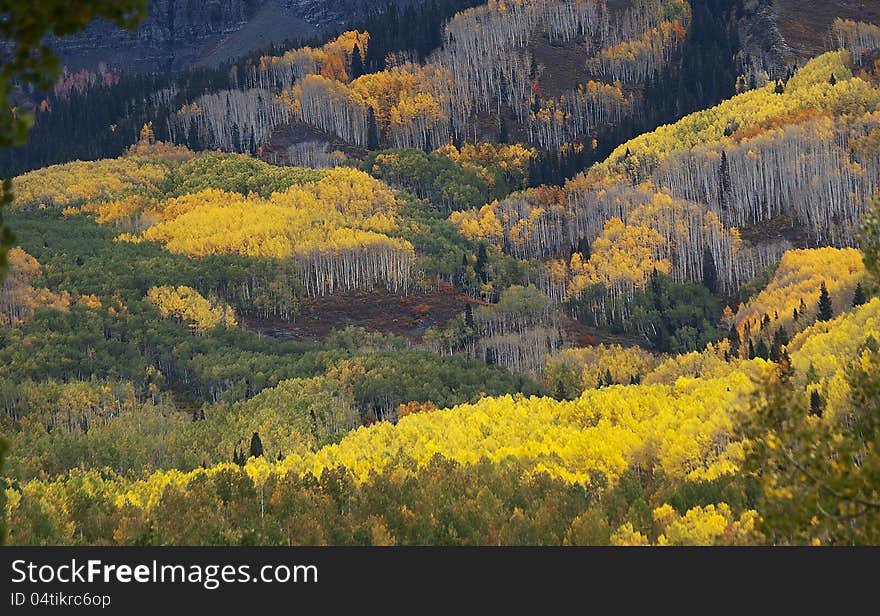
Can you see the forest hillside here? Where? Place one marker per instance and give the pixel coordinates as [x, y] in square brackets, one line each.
[590, 272]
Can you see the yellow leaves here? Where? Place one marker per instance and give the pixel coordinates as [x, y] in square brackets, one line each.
[825, 350]
[188, 306]
[335, 228]
[704, 526]
[403, 94]
[89, 301]
[592, 364]
[798, 279]
[653, 44]
[328, 61]
[626, 535]
[22, 266]
[234, 227]
[623, 257]
[605, 430]
[76, 182]
[129, 238]
[18, 298]
[126, 213]
[807, 89]
[159, 150]
[259, 469]
[419, 106]
[479, 225]
[513, 159]
[346, 208]
[353, 193]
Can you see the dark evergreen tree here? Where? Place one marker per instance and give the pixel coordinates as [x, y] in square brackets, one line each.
[582, 247]
[469, 316]
[725, 183]
[780, 339]
[490, 357]
[192, 136]
[357, 63]
[826, 311]
[859, 297]
[235, 137]
[735, 342]
[256, 446]
[710, 272]
[482, 262]
[761, 350]
[559, 393]
[372, 130]
[817, 405]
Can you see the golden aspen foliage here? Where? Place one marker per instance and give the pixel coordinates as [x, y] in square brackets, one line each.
[188, 306]
[591, 365]
[479, 224]
[704, 526]
[76, 182]
[336, 228]
[159, 150]
[822, 353]
[626, 535]
[128, 213]
[330, 60]
[512, 159]
[622, 259]
[796, 284]
[682, 429]
[715, 361]
[19, 299]
[858, 37]
[807, 89]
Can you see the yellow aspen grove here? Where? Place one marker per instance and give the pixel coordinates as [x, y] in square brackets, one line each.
[432, 285]
[333, 229]
[791, 297]
[280, 72]
[822, 354]
[188, 306]
[77, 182]
[804, 156]
[484, 65]
[858, 37]
[640, 59]
[809, 88]
[622, 260]
[18, 299]
[709, 525]
[682, 430]
[591, 365]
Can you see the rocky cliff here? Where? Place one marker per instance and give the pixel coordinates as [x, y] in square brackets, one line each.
[177, 33]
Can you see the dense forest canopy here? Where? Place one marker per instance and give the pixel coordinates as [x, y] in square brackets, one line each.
[568, 272]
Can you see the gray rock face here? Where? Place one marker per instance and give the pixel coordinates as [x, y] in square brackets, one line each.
[761, 39]
[177, 33]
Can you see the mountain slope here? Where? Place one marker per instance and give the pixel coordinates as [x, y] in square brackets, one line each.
[178, 33]
[806, 25]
